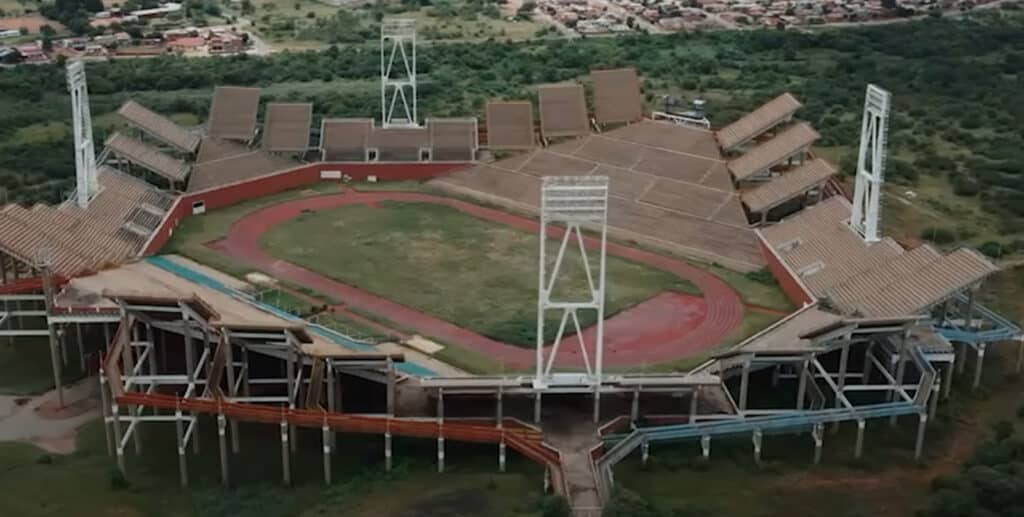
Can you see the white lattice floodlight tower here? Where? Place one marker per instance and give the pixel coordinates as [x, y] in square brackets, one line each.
[398, 72]
[85, 159]
[871, 164]
[575, 202]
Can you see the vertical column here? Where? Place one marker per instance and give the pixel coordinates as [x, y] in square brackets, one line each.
[744, 384]
[105, 406]
[536, 407]
[222, 440]
[182, 461]
[705, 447]
[977, 365]
[757, 439]
[645, 452]
[387, 451]
[844, 357]
[391, 387]
[947, 384]
[1020, 356]
[858, 447]
[597, 400]
[818, 434]
[694, 403]
[901, 368]
[229, 350]
[54, 345]
[919, 446]
[292, 389]
[801, 391]
[286, 468]
[326, 437]
[332, 404]
[81, 349]
[119, 447]
[501, 455]
[868, 364]
[634, 413]
[500, 417]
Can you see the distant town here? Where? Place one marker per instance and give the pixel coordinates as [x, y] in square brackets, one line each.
[168, 29]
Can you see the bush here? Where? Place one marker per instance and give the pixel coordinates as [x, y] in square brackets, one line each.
[555, 506]
[761, 276]
[118, 481]
[938, 235]
[991, 249]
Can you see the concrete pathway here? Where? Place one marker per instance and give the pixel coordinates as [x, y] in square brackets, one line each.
[41, 422]
[574, 434]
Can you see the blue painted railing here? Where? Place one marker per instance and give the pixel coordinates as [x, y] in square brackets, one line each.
[331, 335]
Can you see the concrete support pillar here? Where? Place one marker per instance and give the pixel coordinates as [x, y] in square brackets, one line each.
[775, 376]
[501, 456]
[818, 434]
[286, 466]
[182, 460]
[229, 350]
[499, 417]
[387, 452]
[536, 407]
[694, 404]
[332, 399]
[391, 387]
[868, 365]
[222, 441]
[116, 416]
[547, 479]
[326, 436]
[919, 447]
[634, 411]
[597, 404]
[290, 373]
[645, 452]
[440, 407]
[105, 407]
[947, 383]
[1020, 356]
[81, 351]
[901, 368]
[705, 447]
[933, 397]
[440, 454]
[744, 384]
[858, 448]
[801, 390]
[757, 439]
[977, 365]
[55, 363]
[960, 358]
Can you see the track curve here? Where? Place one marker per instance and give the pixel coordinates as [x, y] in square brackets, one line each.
[667, 327]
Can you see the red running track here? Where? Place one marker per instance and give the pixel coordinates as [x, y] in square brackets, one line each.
[666, 327]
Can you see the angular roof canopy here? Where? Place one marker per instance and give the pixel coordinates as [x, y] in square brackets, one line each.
[345, 139]
[452, 139]
[286, 127]
[563, 111]
[145, 155]
[233, 112]
[787, 186]
[757, 122]
[766, 155]
[158, 126]
[510, 125]
[616, 95]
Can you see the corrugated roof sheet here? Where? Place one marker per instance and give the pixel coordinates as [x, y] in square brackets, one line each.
[399, 144]
[286, 127]
[233, 112]
[757, 122]
[87, 239]
[616, 95]
[787, 186]
[452, 139]
[345, 139]
[772, 152]
[226, 171]
[158, 126]
[510, 125]
[563, 111]
[145, 155]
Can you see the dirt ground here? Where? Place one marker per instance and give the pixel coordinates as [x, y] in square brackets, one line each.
[32, 22]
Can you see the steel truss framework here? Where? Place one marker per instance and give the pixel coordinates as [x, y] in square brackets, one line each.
[871, 164]
[572, 201]
[398, 80]
[86, 184]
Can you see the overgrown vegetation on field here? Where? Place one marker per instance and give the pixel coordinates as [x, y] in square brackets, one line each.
[474, 273]
[955, 136]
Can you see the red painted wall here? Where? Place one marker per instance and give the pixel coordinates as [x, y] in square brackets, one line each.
[787, 282]
[228, 195]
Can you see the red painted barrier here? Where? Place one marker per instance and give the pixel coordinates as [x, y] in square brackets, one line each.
[788, 281]
[297, 177]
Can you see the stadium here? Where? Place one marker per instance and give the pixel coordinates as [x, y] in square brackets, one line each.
[583, 185]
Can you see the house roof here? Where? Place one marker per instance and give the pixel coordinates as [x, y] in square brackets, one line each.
[158, 126]
[233, 112]
[145, 155]
[286, 126]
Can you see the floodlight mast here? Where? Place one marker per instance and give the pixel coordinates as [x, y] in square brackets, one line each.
[398, 80]
[871, 164]
[572, 201]
[86, 184]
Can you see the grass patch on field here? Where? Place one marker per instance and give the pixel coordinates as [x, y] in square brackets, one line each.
[474, 273]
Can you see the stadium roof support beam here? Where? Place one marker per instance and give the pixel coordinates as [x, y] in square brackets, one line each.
[572, 201]
[86, 184]
[871, 164]
[398, 80]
